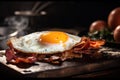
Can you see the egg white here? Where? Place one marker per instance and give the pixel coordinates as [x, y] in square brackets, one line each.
[30, 44]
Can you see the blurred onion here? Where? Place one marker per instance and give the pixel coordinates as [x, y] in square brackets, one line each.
[114, 18]
[97, 25]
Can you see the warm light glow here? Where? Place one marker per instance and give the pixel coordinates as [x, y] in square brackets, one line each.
[43, 12]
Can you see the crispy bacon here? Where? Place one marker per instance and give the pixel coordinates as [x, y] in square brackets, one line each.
[11, 57]
[87, 43]
[97, 43]
[9, 54]
[31, 59]
[86, 46]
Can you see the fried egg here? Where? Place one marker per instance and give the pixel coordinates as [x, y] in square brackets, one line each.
[45, 42]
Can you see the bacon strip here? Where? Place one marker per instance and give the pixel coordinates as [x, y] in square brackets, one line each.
[12, 58]
[97, 43]
[87, 43]
[9, 54]
[31, 59]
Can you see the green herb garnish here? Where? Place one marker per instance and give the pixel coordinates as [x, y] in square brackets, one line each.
[103, 34]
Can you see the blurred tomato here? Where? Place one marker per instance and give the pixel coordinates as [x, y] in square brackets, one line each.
[114, 18]
[116, 34]
[97, 25]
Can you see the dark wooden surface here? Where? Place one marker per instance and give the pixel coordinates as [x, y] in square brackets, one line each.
[111, 73]
[105, 69]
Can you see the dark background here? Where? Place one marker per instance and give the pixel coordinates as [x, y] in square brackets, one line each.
[63, 14]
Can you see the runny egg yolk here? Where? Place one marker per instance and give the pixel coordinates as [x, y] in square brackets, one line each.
[53, 37]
